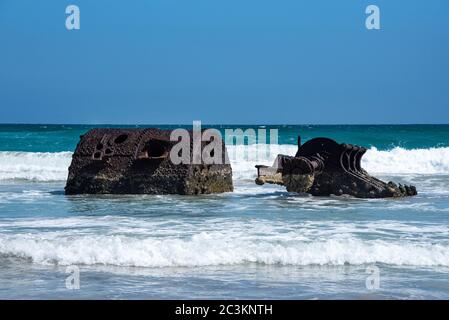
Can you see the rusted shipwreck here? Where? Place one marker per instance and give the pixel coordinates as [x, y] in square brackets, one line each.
[323, 167]
[137, 161]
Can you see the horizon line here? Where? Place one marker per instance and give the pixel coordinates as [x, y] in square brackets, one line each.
[222, 124]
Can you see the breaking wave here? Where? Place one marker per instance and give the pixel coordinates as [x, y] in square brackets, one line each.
[206, 249]
[399, 160]
[394, 161]
[37, 166]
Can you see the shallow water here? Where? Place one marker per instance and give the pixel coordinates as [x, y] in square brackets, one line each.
[257, 242]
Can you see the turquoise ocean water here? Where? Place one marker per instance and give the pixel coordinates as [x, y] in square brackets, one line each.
[257, 242]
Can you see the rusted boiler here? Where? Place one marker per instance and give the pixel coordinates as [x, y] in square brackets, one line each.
[137, 161]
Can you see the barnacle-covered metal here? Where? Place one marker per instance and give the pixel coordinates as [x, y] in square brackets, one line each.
[323, 167]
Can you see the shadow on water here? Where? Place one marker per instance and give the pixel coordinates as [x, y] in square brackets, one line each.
[57, 193]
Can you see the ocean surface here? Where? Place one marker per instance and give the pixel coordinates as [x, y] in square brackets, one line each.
[259, 242]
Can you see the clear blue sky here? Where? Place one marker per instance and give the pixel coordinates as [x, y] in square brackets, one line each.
[224, 61]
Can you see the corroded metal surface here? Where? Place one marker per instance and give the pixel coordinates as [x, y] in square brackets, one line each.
[137, 161]
[323, 167]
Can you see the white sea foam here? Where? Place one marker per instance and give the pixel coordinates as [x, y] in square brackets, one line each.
[394, 161]
[35, 166]
[141, 242]
[399, 160]
[210, 248]
[244, 158]
[53, 166]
